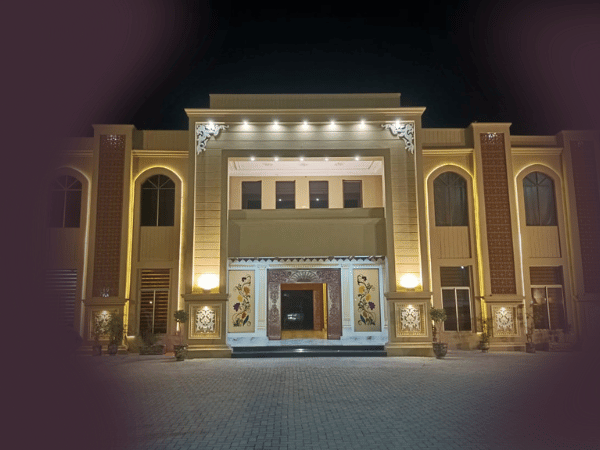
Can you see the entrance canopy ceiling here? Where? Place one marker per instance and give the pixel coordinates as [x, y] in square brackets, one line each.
[285, 167]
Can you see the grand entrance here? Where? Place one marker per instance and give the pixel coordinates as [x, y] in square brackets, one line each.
[303, 311]
[304, 304]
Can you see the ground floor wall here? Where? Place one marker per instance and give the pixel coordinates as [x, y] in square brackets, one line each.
[353, 306]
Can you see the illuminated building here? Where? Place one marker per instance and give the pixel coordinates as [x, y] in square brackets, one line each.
[328, 219]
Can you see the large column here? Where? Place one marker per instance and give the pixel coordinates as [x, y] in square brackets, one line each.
[498, 238]
[206, 250]
[408, 305]
[582, 177]
[108, 281]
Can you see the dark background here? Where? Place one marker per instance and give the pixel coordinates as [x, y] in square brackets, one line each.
[67, 64]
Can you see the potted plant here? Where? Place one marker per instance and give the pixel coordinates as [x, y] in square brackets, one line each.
[438, 316]
[529, 345]
[96, 345]
[486, 334]
[181, 318]
[115, 330]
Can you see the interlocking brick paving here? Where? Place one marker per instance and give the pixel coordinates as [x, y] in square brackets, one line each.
[469, 400]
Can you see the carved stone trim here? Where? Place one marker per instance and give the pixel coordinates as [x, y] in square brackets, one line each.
[404, 131]
[206, 322]
[331, 277]
[410, 320]
[204, 131]
[505, 323]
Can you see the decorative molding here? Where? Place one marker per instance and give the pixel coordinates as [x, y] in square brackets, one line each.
[206, 322]
[504, 320]
[410, 320]
[204, 131]
[404, 131]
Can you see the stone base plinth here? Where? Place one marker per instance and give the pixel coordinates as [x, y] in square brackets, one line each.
[216, 351]
[400, 349]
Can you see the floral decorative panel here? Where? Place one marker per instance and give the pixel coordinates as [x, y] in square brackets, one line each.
[367, 305]
[410, 319]
[99, 321]
[241, 301]
[205, 322]
[504, 320]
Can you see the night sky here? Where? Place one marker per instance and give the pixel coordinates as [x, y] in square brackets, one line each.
[534, 64]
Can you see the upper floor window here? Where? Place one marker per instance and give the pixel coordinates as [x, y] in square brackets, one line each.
[251, 195]
[158, 202]
[540, 204]
[352, 193]
[65, 203]
[319, 194]
[450, 200]
[285, 194]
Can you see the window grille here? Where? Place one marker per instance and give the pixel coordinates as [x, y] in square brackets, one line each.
[154, 300]
[61, 288]
[319, 194]
[285, 193]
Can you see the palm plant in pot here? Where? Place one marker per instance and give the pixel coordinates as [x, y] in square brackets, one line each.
[438, 315]
[181, 318]
[115, 330]
[486, 333]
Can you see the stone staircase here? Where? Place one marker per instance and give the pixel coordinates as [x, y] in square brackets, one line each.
[308, 351]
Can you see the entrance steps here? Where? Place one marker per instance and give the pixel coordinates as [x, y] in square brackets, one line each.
[308, 351]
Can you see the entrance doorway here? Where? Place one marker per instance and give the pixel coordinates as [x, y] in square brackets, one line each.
[303, 311]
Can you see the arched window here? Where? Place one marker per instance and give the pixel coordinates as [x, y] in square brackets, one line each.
[450, 200]
[158, 202]
[540, 204]
[65, 202]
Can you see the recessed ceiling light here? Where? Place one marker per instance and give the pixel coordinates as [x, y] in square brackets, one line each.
[276, 158]
[252, 158]
[305, 123]
[356, 158]
[275, 122]
[302, 158]
[362, 123]
[245, 123]
[326, 159]
[332, 123]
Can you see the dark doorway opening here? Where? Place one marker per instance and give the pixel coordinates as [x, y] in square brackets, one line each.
[297, 310]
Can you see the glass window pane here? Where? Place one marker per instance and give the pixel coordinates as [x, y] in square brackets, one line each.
[540, 308]
[319, 194]
[166, 205]
[556, 308]
[285, 195]
[149, 204]
[72, 209]
[352, 194]
[463, 302]
[449, 304]
[539, 200]
[251, 195]
[450, 200]
[455, 276]
[56, 209]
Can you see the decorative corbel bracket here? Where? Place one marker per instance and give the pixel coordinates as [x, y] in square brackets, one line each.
[404, 131]
[204, 131]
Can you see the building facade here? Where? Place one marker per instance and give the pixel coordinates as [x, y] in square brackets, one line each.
[327, 219]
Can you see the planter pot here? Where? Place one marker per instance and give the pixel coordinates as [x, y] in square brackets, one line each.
[156, 349]
[440, 349]
[96, 350]
[484, 346]
[180, 352]
[530, 347]
[113, 349]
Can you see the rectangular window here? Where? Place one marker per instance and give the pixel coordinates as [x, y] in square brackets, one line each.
[547, 297]
[154, 300]
[251, 195]
[352, 194]
[319, 194]
[285, 194]
[456, 298]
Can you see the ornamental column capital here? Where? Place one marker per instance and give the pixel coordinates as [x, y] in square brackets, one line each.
[405, 131]
[204, 131]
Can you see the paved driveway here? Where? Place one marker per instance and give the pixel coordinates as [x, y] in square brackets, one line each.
[469, 400]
